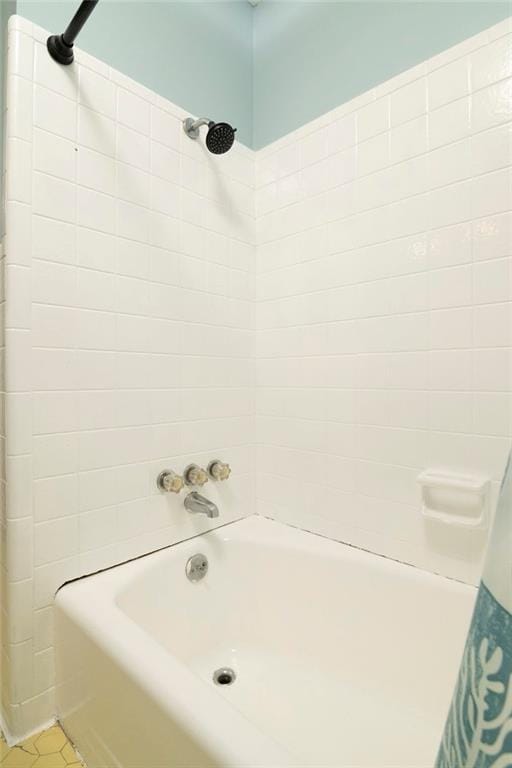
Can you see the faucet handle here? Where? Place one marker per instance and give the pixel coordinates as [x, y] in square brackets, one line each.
[218, 470]
[195, 475]
[169, 481]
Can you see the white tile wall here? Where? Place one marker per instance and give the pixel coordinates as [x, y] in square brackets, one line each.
[381, 295]
[384, 312]
[128, 333]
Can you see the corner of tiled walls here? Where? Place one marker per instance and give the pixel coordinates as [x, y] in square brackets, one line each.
[128, 336]
[384, 288]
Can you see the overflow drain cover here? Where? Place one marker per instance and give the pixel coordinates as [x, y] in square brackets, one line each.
[224, 676]
[196, 567]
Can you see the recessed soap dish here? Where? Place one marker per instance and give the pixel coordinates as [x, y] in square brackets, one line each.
[455, 499]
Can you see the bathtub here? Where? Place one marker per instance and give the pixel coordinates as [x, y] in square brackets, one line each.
[342, 658]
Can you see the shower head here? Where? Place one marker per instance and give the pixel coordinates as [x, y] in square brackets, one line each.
[220, 136]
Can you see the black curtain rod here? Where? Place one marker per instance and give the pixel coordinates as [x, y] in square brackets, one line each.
[60, 47]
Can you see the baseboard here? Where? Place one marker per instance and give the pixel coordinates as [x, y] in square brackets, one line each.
[12, 740]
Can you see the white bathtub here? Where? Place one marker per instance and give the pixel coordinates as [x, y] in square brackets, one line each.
[342, 658]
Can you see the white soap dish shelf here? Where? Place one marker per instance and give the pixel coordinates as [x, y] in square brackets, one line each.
[455, 499]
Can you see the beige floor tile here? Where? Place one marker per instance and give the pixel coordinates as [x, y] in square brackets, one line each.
[29, 746]
[18, 758]
[50, 741]
[50, 761]
[4, 749]
[49, 749]
[68, 753]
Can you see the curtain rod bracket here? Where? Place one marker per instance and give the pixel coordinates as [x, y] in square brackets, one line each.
[60, 47]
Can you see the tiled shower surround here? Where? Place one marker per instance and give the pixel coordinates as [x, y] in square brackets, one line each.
[383, 306]
[332, 315]
[128, 337]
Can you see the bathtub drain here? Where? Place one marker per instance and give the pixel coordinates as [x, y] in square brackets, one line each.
[224, 676]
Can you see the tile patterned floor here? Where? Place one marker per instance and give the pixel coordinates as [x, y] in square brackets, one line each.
[49, 749]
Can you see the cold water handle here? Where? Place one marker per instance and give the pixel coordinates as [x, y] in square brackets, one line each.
[218, 470]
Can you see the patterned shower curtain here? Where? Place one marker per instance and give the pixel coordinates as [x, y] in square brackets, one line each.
[478, 731]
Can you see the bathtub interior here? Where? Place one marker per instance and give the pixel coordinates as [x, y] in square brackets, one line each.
[328, 643]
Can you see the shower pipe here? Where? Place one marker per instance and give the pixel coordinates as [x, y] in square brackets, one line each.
[60, 47]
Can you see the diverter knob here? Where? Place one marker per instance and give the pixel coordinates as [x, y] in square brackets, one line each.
[195, 475]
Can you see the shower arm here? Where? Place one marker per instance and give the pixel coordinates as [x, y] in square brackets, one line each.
[60, 47]
[191, 126]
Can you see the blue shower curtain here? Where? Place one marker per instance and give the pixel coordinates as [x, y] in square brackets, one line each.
[478, 731]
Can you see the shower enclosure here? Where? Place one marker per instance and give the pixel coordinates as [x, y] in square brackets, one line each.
[328, 315]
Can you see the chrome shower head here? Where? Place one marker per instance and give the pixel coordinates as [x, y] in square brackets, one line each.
[220, 136]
